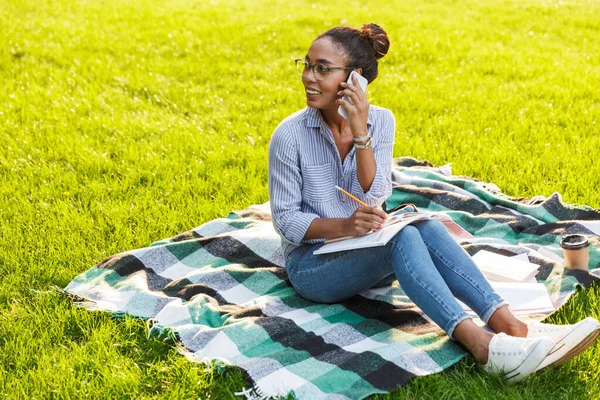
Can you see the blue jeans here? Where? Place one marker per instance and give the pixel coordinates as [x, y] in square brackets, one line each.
[431, 267]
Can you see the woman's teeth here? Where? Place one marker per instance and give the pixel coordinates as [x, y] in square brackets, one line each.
[312, 91]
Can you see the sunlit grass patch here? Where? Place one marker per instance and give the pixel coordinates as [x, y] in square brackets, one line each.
[126, 122]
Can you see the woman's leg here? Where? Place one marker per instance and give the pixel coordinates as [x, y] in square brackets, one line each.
[466, 281]
[421, 281]
[513, 358]
[503, 320]
[335, 277]
[331, 278]
[474, 339]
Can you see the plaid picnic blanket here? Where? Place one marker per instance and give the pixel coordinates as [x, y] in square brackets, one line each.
[222, 289]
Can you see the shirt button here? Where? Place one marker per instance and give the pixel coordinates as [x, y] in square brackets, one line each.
[343, 200]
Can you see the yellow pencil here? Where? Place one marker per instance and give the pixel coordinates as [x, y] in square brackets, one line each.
[352, 197]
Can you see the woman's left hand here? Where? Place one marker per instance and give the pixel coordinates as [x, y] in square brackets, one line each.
[358, 111]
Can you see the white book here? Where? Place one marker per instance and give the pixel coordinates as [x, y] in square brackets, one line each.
[392, 226]
[523, 298]
[500, 268]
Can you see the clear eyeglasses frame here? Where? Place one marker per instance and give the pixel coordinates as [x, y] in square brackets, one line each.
[320, 71]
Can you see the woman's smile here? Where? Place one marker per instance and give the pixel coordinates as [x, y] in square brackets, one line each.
[322, 93]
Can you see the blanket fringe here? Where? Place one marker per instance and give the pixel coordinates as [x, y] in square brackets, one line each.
[253, 393]
[75, 298]
[157, 331]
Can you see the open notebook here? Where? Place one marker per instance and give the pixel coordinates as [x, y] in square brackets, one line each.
[392, 226]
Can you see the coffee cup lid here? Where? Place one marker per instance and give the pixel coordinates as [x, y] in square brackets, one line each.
[574, 242]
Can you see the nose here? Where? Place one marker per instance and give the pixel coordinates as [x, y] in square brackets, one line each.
[308, 75]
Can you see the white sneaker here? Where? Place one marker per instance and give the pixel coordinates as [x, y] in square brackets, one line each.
[515, 358]
[570, 340]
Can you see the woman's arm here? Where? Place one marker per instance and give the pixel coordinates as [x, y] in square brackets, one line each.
[383, 132]
[362, 221]
[373, 164]
[358, 114]
[366, 167]
[285, 183]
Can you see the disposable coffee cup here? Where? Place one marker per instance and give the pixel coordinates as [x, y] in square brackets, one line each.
[576, 251]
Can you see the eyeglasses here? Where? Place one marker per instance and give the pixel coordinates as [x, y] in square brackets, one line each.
[321, 71]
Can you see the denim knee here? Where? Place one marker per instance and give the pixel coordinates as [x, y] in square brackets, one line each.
[409, 232]
[430, 225]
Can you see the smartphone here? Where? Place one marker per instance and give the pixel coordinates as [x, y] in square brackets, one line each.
[363, 85]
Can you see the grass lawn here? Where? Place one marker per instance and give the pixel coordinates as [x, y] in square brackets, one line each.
[122, 123]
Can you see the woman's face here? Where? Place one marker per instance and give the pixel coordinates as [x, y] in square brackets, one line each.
[322, 94]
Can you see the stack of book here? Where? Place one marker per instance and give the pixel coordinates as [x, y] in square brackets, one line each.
[513, 278]
[499, 268]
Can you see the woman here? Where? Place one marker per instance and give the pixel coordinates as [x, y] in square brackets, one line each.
[316, 149]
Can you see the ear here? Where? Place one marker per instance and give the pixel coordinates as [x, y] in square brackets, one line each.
[358, 71]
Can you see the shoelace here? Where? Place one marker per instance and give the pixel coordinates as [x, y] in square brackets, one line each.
[504, 353]
[548, 328]
[509, 353]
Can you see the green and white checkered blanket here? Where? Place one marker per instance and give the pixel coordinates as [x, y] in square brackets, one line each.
[222, 288]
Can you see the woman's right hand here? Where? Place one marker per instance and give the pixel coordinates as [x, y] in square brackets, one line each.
[364, 220]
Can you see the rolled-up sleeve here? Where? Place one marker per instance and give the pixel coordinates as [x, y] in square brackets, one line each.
[383, 146]
[285, 188]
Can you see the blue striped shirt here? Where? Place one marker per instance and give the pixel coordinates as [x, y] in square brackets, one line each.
[305, 167]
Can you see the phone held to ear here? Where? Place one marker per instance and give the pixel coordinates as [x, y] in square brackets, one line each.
[363, 85]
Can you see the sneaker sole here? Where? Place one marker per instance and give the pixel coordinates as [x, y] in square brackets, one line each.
[578, 349]
[593, 331]
[529, 365]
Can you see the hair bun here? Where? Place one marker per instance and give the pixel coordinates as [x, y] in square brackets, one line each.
[378, 37]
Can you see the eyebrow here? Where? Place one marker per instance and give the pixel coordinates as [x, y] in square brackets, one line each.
[320, 60]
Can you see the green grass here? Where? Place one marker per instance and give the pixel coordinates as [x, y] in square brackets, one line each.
[123, 123]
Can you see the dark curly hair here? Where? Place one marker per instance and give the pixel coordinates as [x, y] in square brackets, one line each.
[364, 46]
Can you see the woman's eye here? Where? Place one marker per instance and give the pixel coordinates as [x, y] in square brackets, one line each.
[322, 69]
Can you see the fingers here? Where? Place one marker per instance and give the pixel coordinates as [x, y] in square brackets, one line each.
[372, 217]
[356, 105]
[375, 211]
[364, 227]
[365, 220]
[353, 92]
[355, 86]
